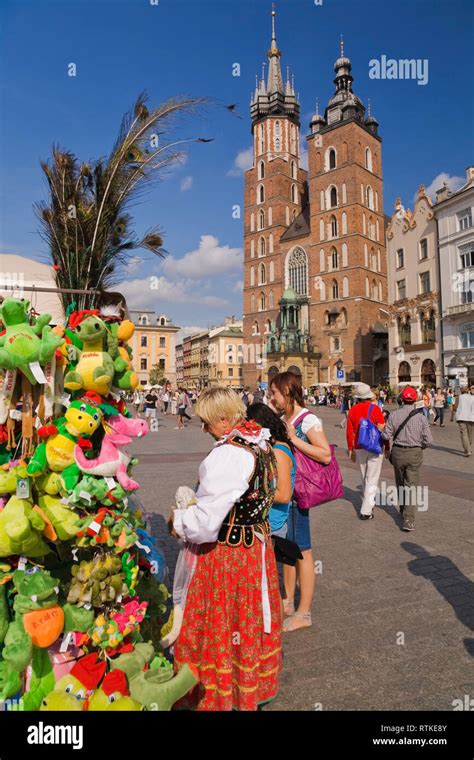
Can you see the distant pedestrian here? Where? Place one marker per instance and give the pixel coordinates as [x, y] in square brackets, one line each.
[408, 430]
[174, 402]
[465, 418]
[136, 402]
[344, 406]
[426, 396]
[151, 400]
[370, 462]
[166, 401]
[450, 404]
[439, 404]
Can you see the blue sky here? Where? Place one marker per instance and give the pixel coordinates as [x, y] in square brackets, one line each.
[121, 47]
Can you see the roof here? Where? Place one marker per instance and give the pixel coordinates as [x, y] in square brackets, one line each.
[232, 333]
[299, 226]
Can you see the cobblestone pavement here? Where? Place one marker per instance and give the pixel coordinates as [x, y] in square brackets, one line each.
[393, 614]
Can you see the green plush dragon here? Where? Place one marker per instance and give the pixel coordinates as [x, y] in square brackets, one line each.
[22, 344]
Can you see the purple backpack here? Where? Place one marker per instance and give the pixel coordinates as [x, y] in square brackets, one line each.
[315, 483]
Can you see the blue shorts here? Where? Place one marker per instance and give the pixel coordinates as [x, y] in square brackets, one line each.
[298, 527]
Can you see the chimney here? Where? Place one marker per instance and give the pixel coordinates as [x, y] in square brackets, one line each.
[444, 193]
[470, 173]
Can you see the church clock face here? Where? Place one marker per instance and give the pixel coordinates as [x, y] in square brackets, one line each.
[334, 116]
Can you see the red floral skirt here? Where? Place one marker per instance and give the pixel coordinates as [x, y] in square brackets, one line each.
[222, 631]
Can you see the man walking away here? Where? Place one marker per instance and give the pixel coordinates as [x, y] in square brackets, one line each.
[409, 431]
[465, 418]
[370, 463]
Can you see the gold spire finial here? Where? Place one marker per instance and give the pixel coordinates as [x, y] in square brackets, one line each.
[273, 21]
[368, 107]
[342, 46]
[317, 105]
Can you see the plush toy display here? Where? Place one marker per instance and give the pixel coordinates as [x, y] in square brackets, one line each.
[82, 592]
[113, 461]
[22, 344]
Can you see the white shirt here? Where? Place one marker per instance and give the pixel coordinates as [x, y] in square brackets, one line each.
[465, 408]
[309, 422]
[223, 477]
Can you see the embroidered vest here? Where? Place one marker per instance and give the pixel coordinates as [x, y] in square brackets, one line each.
[250, 511]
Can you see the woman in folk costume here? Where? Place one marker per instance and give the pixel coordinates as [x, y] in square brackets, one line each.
[231, 628]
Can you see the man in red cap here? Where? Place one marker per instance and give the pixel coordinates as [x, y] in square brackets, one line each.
[409, 431]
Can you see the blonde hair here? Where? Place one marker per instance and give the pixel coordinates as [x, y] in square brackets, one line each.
[217, 402]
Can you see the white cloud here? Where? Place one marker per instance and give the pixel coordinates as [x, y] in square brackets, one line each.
[133, 264]
[151, 292]
[186, 184]
[454, 183]
[208, 260]
[242, 162]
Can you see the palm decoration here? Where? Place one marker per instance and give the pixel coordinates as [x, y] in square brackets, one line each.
[85, 221]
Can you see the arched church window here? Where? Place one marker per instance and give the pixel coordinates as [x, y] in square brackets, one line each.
[297, 271]
[332, 159]
[333, 197]
[261, 219]
[277, 135]
[335, 290]
[261, 170]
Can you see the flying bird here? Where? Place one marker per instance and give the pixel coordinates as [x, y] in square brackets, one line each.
[232, 109]
[205, 139]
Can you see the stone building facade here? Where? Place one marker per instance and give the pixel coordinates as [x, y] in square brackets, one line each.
[415, 327]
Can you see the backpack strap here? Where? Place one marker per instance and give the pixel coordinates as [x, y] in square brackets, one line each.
[369, 412]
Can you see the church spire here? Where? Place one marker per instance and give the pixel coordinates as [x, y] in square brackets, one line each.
[274, 97]
[275, 81]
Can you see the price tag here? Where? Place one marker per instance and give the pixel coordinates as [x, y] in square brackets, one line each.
[15, 414]
[110, 482]
[21, 563]
[23, 488]
[38, 373]
[65, 642]
[65, 501]
[85, 495]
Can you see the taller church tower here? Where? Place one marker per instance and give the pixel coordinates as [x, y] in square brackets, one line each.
[315, 275]
[275, 193]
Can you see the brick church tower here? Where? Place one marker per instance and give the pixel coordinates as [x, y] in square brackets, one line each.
[315, 283]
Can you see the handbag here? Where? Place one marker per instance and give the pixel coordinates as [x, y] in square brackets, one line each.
[316, 483]
[369, 437]
[400, 428]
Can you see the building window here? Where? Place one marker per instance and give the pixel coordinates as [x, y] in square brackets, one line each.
[425, 282]
[277, 137]
[333, 197]
[261, 302]
[261, 219]
[143, 341]
[400, 258]
[231, 372]
[261, 170]
[401, 289]
[336, 343]
[293, 170]
[142, 363]
[467, 335]
[428, 327]
[369, 197]
[335, 290]
[368, 159]
[465, 219]
[297, 271]
[261, 194]
[255, 329]
[423, 249]
[162, 342]
[268, 326]
[143, 320]
[240, 371]
[334, 259]
[405, 332]
[162, 363]
[332, 159]
[467, 256]
[333, 227]
[261, 247]
[293, 194]
[262, 279]
[467, 293]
